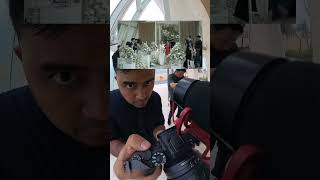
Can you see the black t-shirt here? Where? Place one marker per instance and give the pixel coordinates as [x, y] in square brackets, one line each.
[33, 148]
[172, 78]
[198, 47]
[125, 119]
[218, 56]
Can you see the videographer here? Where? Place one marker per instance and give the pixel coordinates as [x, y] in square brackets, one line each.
[135, 117]
[173, 80]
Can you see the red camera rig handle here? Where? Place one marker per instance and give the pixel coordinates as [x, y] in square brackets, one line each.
[192, 128]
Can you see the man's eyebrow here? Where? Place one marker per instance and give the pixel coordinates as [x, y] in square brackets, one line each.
[151, 79]
[133, 82]
[129, 82]
[64, 67]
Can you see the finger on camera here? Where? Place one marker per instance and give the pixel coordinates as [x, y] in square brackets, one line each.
[134, 143]
[153, 176]
[138, 143]
[139, 175]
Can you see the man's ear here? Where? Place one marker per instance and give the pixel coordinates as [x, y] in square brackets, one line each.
[18, 52]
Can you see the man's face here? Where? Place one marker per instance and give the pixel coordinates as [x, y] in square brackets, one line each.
[68, 78]
[224, 39]
[179, 74]
[136, 86]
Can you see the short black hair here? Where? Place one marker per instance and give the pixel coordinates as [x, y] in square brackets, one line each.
[123, 70]
[177, 70]
[233, 27]
[115, 64]
[132, 39]
[139, 41]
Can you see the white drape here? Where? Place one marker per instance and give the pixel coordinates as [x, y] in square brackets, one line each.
[263, 9]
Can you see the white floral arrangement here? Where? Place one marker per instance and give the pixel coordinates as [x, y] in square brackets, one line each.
[177, 54]
[166, 34]
[145, 49]
[143, 59]
[128, 54]
[153, 46]
[155, 57]
[177, 37]
[141, 62]
[170, 35]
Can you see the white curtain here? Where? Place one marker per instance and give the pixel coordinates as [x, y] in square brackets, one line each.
[263, 9]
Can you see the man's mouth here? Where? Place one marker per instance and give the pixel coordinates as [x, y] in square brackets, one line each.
[140, 104]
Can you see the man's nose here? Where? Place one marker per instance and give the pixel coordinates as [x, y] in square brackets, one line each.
[141, 94]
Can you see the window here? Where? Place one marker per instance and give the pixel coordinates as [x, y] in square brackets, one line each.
[152, 12]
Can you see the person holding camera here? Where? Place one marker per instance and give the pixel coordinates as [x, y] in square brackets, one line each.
[173, 80]
[135, 118]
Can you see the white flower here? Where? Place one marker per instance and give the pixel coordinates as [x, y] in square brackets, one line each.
[127, 53]
[177, 54]
[145, 48]
[153, 46]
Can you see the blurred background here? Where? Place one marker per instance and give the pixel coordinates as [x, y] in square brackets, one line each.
[11, 72]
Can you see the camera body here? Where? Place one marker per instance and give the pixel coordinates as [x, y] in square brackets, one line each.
[176, 153]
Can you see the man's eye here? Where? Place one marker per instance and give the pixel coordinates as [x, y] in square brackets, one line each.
[130, 86]
[148, 83]
[63, 78]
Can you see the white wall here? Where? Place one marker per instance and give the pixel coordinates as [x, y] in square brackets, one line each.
[267, 39]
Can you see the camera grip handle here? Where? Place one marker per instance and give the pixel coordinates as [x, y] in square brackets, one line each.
[193, 129]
